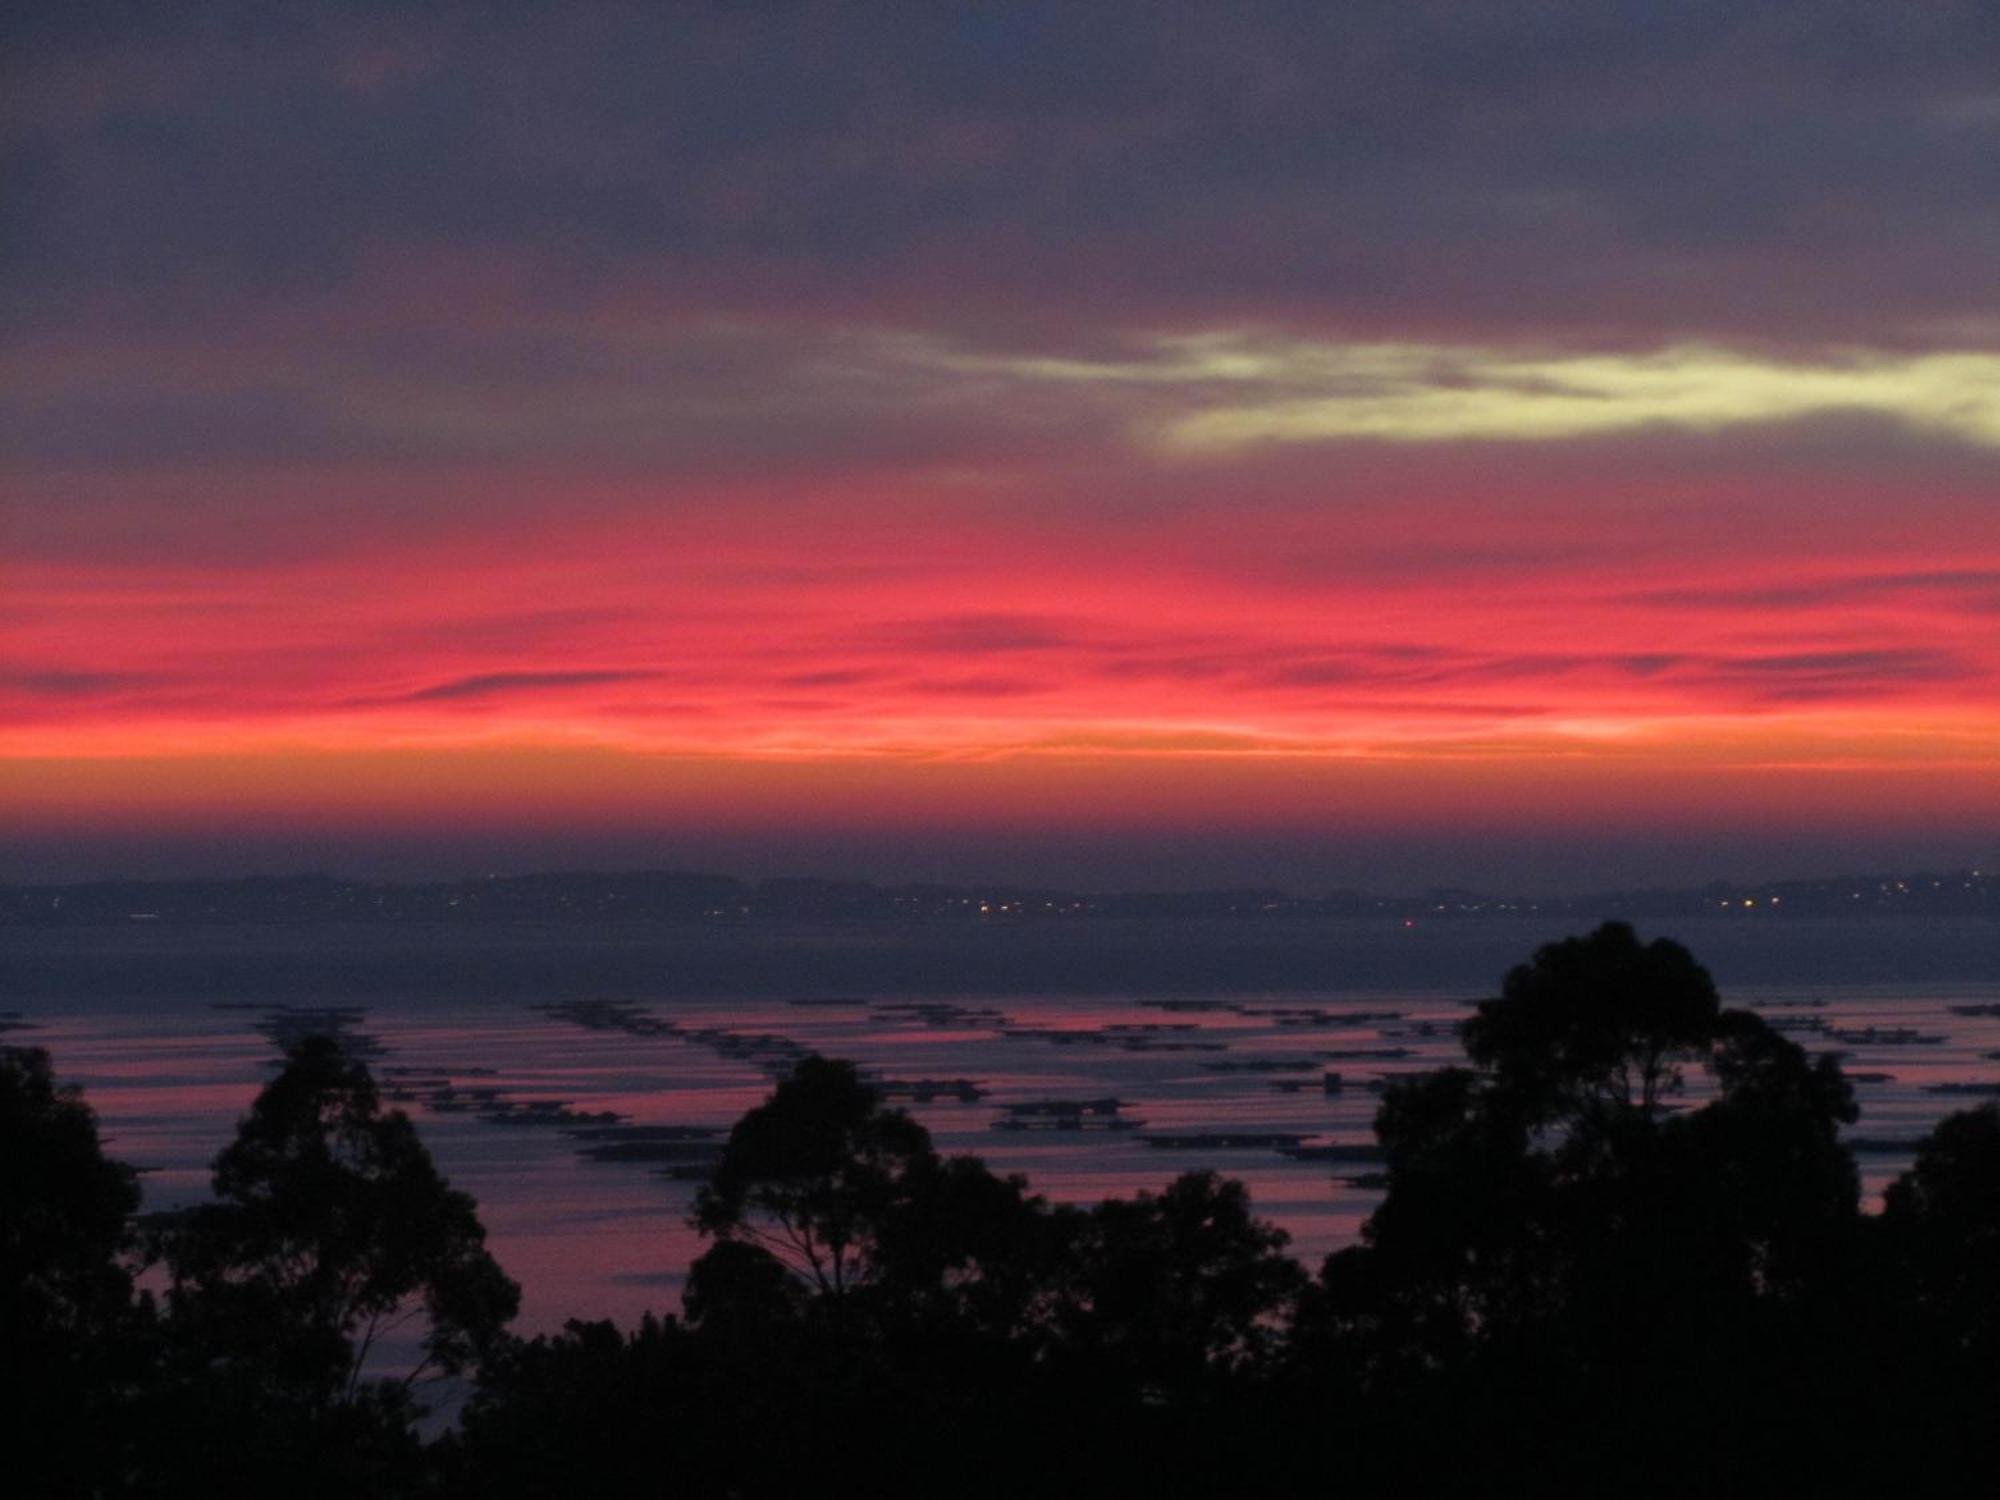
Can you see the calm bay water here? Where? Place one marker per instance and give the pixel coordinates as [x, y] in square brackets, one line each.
[498, 1041]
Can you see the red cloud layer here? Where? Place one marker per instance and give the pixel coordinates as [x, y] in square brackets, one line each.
[1380, 658]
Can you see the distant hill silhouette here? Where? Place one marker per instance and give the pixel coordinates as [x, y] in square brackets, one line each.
[683, 896]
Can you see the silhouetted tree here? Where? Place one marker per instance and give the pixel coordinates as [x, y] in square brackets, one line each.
[331, 1230]
[1944, 1215]
[1560, 1234]
[1451, 1256]
[1623, 1241]
[849, 1196]
[1933, 1290]
[872, 1308]
[741, 1291]
[1179, 1291]
[71, 1351]
[973, 1249]
[812, 1173]
[598, 1412]
[1595, 1025]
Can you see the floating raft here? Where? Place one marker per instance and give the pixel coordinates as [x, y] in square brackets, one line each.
[1066, 1123]
[926, 1090]
[1226, 1140]
[608, 1015]
[546, 1113]
[1064, 1107]
[1330, 1083]
[649, 1133]
[941, 1014]
[1883, 1036]
[1317, 1016]
[678, 1153]
[1364, 1054]
[1340, 1151]
[1064, 1115]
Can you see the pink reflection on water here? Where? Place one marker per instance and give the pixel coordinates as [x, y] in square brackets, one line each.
[610, 1239]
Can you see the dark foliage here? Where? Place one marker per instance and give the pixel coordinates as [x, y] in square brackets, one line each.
[1622, 1245]
[1943, 1216]
[331, 1229]
[1177, 1295]
[818, 1174]
[331, 1232]
[71, 1337]
[1580, 1268]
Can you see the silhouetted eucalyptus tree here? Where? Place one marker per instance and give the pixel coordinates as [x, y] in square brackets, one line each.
[850, 1198]
[64, 1215]
[600, 1412]
[1595, 1025]
[856, 1272]
[330, 1233]
[1180, 1290]
[70, 1347]
[1624, 1241]
[813, 1173]
[1944, 1219]
[870, 1307]
[1549, 1203]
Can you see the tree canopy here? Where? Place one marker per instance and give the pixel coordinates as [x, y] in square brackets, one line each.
[1624, 1238]
[332, 1228]
[1944, 1218]
[64, 1210]
[70, 1347]
[1596, 1023]
[1556, 1201]
[815, 1175]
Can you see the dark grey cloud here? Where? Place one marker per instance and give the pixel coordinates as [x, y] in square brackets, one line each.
[1570, 164]
[1975, 589]
[529, 632]
[835, 677]
[975, 686]
[508, 684]
[978, 635]
[64, 685]
[1776, 677]
[1908, 664]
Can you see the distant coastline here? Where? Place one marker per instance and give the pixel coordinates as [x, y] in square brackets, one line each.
[684, 897]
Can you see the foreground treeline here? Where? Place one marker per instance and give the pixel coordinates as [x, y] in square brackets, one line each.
[1578, 1278]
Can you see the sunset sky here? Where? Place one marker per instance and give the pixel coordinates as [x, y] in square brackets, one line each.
[1524, 445]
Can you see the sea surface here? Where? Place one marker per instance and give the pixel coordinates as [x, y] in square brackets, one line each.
[574, 1081]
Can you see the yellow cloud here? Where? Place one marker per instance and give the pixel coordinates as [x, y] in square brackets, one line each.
[1525, 399]
[1239, 390]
